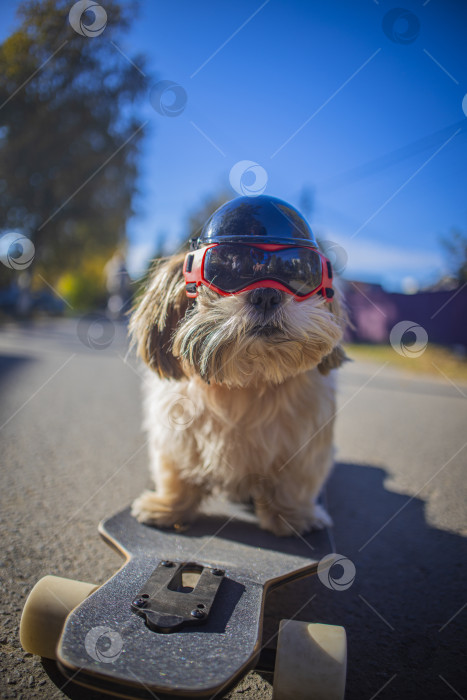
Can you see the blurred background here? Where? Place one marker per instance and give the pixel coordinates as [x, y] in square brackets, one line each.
[123, 127]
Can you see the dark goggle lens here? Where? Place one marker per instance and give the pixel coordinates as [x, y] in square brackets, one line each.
[233, 267]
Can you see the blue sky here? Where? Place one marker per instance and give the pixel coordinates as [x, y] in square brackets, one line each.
[309, 90]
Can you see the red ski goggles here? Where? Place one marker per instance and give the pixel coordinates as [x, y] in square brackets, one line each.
[231, 268]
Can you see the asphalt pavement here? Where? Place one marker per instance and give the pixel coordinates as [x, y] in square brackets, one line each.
[73, 452]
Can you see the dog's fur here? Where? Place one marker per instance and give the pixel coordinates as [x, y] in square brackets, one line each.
[236, 402]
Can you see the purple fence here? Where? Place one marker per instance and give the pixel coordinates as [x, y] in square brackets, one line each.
[443, 314]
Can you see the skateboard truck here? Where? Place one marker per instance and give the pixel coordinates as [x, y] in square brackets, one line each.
[167, 602]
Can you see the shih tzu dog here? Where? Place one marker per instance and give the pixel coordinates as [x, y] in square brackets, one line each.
[240, 335]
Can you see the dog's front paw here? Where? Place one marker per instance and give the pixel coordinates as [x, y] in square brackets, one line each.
[283, 524]
[153, 509]
[320, 518]
[279, 525]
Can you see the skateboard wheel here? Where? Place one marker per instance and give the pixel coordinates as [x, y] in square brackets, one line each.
[311, 662]
[45, 612]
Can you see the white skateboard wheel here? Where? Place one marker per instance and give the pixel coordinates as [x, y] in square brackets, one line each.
[311, 662]
[45, 612]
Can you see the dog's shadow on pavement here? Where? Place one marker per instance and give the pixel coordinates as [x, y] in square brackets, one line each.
[409, 583]
[403, 611]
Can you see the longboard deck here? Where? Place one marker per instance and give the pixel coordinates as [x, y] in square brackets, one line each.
[193, 661]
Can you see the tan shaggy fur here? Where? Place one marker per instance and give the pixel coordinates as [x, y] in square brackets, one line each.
[236, 403]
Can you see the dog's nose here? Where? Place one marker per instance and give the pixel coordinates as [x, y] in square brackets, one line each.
[265, 298]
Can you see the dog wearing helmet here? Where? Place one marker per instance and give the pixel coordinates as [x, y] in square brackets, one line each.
[240, 336]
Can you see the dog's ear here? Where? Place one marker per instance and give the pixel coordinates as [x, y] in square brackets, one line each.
[337, 357]
[156, 315]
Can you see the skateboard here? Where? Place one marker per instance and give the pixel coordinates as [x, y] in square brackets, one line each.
[183, 616]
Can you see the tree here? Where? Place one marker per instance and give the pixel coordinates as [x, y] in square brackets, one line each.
[201, 214]
[455, 247]
[307, 202]
[195, 222]
[69, 133]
